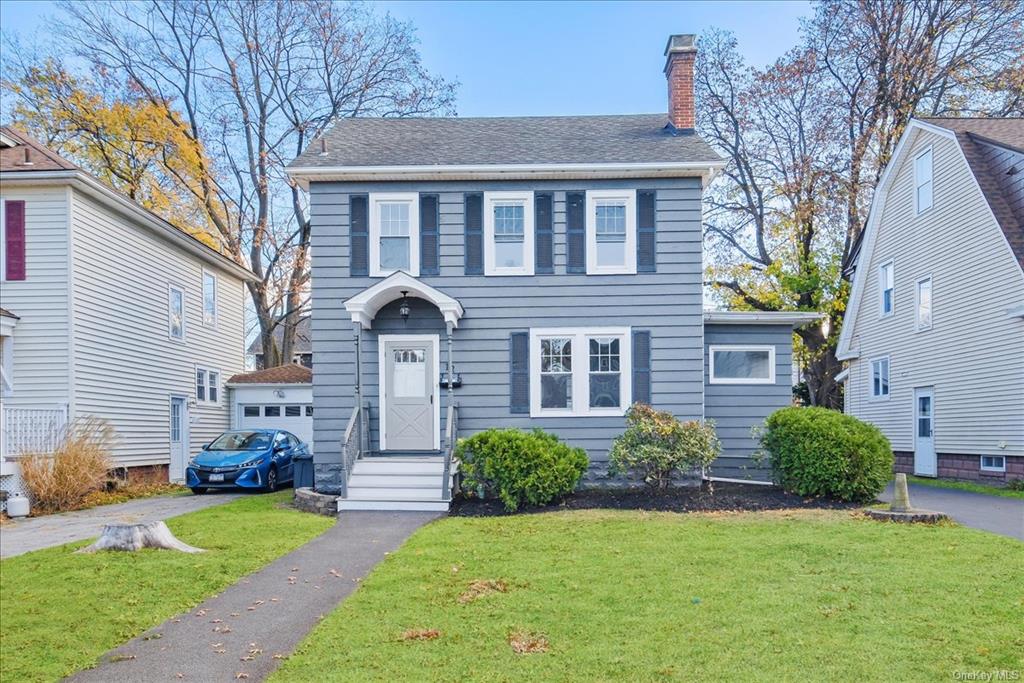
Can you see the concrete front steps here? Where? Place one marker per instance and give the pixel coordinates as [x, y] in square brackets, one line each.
[406, 482]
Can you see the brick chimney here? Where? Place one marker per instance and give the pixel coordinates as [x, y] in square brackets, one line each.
[680, 54]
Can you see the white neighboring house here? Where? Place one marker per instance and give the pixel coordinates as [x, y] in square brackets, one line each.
[108, 311]
[934, 333]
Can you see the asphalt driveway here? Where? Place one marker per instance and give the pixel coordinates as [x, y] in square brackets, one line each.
[1003, 516]
[35, 533]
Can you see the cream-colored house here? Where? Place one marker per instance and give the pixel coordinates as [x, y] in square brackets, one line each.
[934, 333]
[108, 311]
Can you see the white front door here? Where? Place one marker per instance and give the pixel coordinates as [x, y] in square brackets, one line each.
[925, 462]
[179, 438]
[409, 408]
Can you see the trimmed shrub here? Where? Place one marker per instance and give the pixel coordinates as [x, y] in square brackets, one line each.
[63, 480]
[821, 452]
[520, 467]
[658, 445]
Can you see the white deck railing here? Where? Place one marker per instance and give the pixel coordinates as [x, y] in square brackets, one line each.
[31, 430]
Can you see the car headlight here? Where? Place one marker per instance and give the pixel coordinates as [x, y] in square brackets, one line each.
[193, 464]
[252, 463]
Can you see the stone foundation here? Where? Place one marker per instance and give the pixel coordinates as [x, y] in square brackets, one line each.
[965, 468]
[327, 477]
[597, 476]
[142, 474]
[309, 500]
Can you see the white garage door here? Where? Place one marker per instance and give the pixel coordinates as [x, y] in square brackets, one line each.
[297, 418]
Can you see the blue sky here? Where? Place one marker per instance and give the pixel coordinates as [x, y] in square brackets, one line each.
[537, 58]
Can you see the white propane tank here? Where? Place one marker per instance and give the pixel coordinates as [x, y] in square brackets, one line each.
[17, 506]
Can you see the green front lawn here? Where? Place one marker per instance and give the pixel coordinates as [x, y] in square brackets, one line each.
[661, 596]
[60, 611]
[966, 486]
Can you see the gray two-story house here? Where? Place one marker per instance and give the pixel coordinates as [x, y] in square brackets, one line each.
[523, 272]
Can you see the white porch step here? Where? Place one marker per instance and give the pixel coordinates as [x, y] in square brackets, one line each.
[395, 492]
[395, 505]
[397, 466]
[402, 480]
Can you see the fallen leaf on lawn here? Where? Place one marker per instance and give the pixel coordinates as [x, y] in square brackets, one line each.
[525, 643]
[217, 645]
[335, 572]
[481, 587]
[241, 674]
[278, 656]
[421, 634]
[255, 651]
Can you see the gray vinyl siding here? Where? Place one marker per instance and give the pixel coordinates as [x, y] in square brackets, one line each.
[738, 408]
[40, 341]
[126, 365]
[973, 355]
[668, 303]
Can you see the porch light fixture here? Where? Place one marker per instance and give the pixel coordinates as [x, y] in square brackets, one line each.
[403, 310]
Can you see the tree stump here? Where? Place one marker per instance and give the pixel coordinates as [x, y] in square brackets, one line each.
[132, 537]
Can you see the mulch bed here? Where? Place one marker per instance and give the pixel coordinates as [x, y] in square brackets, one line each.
[726, 497]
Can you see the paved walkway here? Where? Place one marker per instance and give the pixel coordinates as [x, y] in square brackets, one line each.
[249, 627]
[1003, 516]
[34, 533]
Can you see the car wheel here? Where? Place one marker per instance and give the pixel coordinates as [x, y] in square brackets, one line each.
[271, 485]
[198, 490]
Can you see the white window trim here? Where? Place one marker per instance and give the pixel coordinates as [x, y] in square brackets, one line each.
[882, 313]
[382, 342]
[629, 197]
[712, 350]
[581, 370]
[216, 299]
[871, 378]
[931, 180]
[981, 463]
[378, 198]
[206, 393]
[528, 232]
[918, 327]
[7, 369]
[171, 288]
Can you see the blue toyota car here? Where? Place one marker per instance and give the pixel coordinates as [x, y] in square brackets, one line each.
[245, 458]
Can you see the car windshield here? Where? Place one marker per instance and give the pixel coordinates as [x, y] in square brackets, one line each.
[241, 441]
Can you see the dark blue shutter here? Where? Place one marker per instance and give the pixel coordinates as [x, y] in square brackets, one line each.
[544, 235]
[359, 236]
[429, 237]
[646, 237]
[519, 372]
[641, 366]
[474, 234]
[576, 232]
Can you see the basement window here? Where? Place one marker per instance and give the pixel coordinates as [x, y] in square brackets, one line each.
[993, 463]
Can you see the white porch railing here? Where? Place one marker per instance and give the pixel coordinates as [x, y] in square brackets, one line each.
[30, 430]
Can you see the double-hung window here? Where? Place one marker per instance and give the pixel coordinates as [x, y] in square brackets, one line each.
[209, 299]
[741, 365]
[394, 234]
[175, 312]
[611, 231]
[508, 233]
[886, 288]
[924, 303]
[923, 181]
[580, 371]
[207, 385]
[880, 377]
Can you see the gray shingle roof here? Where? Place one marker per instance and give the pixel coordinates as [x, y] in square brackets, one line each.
[632, 138]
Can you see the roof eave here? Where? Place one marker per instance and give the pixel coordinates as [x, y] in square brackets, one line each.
[702, 169]
[266, 385]
[98, 190]
[761, 317]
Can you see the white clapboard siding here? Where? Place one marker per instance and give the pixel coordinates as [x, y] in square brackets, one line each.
[126, 365]
[974, 353]
[40, 365]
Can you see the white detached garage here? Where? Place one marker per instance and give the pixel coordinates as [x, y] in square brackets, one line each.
[275, 398]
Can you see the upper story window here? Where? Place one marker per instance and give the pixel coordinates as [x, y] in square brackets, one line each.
[741, 365]
[508, 233]
[611, 232]
[923, 180]
[175, 312]
[886, 288]
[209, 298]
[580, 371]
[924, 303]
[394, 234]
[880, 377]
[207, 385]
